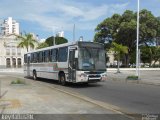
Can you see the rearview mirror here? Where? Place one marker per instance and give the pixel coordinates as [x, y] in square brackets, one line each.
[76, 54]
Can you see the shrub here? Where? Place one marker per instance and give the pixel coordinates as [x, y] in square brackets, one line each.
[132, 77]
[18, 81]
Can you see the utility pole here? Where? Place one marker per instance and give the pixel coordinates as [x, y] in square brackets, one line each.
[53, 40]
[0, 89]
[137, 47]
[74, 32]
[53, 37]
[54, 33]
[139, 61]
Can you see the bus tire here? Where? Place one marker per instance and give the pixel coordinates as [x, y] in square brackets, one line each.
[34, 75]
[62, 79]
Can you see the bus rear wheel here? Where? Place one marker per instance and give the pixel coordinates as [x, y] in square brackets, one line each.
[34, 75]
[62, 79]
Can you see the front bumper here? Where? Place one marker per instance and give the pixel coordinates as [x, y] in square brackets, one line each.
[83, 77]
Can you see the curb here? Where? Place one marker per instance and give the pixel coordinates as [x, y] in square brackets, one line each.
[11, 72]
[149, 83]
[133, 81]
[133, 69]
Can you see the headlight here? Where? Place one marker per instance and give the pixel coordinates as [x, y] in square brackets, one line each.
[103, 76]
[83, 75]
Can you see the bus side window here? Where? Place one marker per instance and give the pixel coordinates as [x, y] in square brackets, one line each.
[40, 57]
[54, 55]
[43, 56]
[62, 54]
[46, 56]
[50, 55]
[37, 57]
[28, 58]
[32, 57]
[25, 58]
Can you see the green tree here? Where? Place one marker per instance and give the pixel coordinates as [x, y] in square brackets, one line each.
[58, 40]
[126, 34]
[148, 27]
[146, 54]
[150, 54]
[133, 58]
[26, 41]
[156, 54]
[42, 45]
[122, 29]
[158, 31]
[107, 30]
[119, 51]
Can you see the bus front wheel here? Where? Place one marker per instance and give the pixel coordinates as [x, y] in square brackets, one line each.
[62, 79]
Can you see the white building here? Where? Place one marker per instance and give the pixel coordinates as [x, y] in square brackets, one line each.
[111, 60]
[60, 34]
[9, 26]
[10, 55]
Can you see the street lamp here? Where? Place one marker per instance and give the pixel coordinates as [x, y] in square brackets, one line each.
[137, 51]
[54, 33]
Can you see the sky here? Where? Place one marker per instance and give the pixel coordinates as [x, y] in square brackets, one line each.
[46, 17]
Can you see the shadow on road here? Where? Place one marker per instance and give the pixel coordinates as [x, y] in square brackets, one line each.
[72, 85]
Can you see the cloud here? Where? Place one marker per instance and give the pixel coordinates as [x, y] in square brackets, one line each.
[50, 14]
[85, 13]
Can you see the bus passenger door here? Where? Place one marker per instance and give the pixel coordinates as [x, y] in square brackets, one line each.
[72, 66]
[28, 64]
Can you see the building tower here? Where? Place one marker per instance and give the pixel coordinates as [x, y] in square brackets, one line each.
[9, 26]
[60, 34]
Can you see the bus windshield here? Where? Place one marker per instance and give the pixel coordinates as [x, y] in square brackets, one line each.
[91, 59]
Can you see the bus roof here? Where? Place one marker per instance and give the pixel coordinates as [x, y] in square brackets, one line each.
[62, 45]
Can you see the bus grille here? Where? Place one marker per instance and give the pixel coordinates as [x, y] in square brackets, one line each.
[94, 76]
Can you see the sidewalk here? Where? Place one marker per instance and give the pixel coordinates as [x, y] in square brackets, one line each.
[17, 70]
[147, 75]
[36, 98]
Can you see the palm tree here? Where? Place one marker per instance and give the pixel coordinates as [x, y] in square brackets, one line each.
[119, 50]
[27, 41]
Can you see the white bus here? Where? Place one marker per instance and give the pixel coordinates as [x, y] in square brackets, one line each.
[78, 62]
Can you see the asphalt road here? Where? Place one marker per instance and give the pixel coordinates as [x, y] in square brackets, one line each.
[129, 97]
